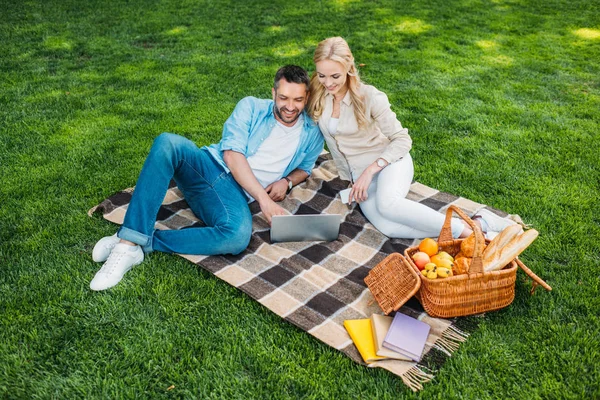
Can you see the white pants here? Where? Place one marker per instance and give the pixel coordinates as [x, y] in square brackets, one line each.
[388, 209]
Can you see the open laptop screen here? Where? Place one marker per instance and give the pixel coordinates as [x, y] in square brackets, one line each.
[305, 227]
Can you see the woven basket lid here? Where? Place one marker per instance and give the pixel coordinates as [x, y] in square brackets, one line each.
[393, 282]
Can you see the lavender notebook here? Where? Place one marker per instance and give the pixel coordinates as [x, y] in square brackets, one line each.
[407, 336]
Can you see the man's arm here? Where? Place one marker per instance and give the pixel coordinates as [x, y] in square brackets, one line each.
[278, 190]
[242, 173]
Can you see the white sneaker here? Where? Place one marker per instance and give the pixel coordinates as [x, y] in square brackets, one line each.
[103, 248]
[122, 258]
[492, 224]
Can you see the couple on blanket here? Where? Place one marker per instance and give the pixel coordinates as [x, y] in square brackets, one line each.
[267, 147]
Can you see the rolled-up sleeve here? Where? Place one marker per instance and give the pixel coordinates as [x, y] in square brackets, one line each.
[235, 131]
[400, 142]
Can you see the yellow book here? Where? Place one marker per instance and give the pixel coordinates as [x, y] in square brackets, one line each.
[361, 333]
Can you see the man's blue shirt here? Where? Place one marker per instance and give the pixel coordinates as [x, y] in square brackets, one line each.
[251, 123]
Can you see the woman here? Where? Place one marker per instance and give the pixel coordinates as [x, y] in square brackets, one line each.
[371, 149]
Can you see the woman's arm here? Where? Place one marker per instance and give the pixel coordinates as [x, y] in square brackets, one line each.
[385, 118]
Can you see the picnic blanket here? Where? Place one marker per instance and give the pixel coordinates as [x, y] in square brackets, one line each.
[318, 285]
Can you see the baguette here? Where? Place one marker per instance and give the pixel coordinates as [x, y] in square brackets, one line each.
[511, 250]
[501, 240]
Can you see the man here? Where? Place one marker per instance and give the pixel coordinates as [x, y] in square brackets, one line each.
[267, 146]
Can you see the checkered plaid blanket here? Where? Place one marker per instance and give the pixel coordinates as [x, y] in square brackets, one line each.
[318, 285]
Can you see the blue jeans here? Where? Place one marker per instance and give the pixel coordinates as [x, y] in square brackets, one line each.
[212, 194]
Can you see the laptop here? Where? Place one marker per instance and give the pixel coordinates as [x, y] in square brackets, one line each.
[305, 227]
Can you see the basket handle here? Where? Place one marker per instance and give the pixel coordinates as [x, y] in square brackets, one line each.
[446, 235]
[536, 279]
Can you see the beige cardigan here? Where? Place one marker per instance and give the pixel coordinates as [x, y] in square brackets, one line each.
[353, 149]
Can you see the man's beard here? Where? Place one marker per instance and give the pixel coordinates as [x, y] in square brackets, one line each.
[278, 113]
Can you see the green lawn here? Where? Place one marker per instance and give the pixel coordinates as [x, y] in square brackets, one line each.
[502, 99]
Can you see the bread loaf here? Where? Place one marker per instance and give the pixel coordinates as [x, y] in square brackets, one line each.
[511, 250]
[501, 240]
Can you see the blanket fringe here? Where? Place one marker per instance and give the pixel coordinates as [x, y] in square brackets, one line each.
[92, 210]
[461, 336]
[450, 341]
[414, 378]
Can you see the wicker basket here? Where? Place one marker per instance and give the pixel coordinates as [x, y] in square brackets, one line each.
[393, 282]
[466, 294]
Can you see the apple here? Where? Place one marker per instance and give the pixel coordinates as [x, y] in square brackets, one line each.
[420, 259]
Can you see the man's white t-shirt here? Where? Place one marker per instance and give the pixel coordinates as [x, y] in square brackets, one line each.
[275, 153]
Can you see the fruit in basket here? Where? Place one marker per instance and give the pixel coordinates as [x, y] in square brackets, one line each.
[443, 254]
[432, 274]
[428, 246]
[424, 272]
[443, 272]
[442, 262]
[420, 259]
[430, 266]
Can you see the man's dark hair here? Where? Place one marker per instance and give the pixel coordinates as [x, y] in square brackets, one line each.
[292, 74]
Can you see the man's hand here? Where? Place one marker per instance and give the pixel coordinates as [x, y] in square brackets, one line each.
[270, 208]
[277, 190]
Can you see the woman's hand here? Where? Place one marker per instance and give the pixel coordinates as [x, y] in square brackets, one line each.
[360, 187]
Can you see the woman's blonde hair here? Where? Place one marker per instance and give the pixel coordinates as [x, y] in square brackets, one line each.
[336, 49]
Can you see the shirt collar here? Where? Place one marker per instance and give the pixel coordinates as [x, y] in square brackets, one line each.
[347, 100]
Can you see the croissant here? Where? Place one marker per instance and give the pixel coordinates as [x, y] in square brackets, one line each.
[461, 265]
[467, 246]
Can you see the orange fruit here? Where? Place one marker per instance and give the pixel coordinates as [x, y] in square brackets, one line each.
[428, 246]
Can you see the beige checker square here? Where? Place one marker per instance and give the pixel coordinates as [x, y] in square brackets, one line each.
[357, 252]
[117, 215]
[366, 304]
[371, 238]
[348, 313]
[303, 194]
[295, 247]
[234, 275]
[418, 192]
[280, 303]
[188, 214]
[332, 334]
[161, 226]
[337, 207]
[320, 276]
[469, 206]
[273, 253]
[172, 196]
[195, 258]
[254, 264]
[300, 289]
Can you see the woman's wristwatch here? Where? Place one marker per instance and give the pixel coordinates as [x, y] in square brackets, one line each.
[381, 163]
[290, 184]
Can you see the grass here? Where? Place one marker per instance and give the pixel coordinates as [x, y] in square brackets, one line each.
[502, 100]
